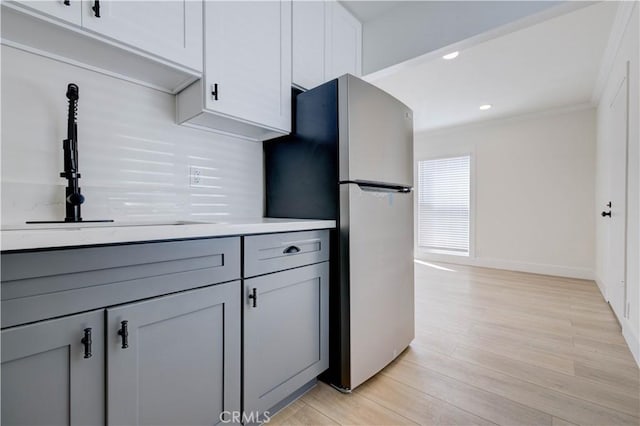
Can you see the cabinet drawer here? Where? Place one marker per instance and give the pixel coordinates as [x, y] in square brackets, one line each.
[44, 284]
[276, 252]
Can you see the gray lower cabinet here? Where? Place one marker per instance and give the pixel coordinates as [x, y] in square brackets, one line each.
[285, 335]
[163, 333]
[175, 360]
[165, 324]
[49, 376]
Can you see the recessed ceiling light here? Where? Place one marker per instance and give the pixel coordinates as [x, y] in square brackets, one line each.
[451, 55]
[485, 107]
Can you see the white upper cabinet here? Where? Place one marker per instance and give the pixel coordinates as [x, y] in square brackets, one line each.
[171, 30]
[308, 43]
[344, 42]
[155, 43]
[68, 11]
[246, 88]
[327, 43]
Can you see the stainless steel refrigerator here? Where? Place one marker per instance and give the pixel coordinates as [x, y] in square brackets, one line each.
[350, 158]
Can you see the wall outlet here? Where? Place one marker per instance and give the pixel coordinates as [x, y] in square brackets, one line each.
[195, 176]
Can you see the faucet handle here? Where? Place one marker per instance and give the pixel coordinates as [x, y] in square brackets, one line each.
[75, 199]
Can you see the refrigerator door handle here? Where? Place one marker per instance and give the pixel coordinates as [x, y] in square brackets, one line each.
[368, 185]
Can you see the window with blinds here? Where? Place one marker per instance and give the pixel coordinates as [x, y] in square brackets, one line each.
[444, 205]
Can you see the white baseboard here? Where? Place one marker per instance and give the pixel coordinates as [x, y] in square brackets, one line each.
[632, 341]
[534, 268]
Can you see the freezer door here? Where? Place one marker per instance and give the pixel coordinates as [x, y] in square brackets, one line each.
[377, 227]
[376, 134]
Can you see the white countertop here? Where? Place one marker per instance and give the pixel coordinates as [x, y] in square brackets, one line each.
[25, 237]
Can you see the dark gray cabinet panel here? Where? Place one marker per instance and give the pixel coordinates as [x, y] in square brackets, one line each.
[181, 365]
[285, 333]
[46, 380]
[46, 284]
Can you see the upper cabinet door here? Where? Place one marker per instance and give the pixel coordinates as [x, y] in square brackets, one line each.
[70, 13]
[248, 61]
[344, 42]
[171, 30]
[308, 43]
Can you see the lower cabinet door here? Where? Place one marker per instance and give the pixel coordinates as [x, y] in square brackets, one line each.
[175, 360]
[285, 335]
[53, 372]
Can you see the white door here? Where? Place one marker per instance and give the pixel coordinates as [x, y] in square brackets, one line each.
[616, 251]
[170, 29]
[248, 61]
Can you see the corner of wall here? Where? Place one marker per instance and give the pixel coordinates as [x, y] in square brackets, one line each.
[601, 286]
[632, 341]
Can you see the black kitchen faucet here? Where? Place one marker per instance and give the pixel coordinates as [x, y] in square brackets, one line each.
[72, 198]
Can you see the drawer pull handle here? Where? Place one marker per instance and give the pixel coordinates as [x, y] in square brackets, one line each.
[86, 341]
[254, 296]
[291, 250]
[124, 333]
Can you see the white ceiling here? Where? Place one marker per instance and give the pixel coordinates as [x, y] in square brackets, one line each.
[549, 65]
[367, 10]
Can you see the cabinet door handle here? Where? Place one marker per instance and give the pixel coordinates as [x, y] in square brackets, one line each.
[291, 250]
[96, 8]
[254, 296]
[124, 333]
[86, 341]
[606, 213]
[214, 91]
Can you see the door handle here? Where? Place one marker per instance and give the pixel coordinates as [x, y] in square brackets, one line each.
[124, 333]
[603, 214]
[254, 296]
[96, 8]
[86, 341]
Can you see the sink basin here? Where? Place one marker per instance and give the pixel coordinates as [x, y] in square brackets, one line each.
[82, 225]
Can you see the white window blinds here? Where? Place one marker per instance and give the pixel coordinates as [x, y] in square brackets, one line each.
[443, 205]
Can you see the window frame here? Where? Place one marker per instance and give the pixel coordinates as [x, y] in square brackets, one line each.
[435, 254]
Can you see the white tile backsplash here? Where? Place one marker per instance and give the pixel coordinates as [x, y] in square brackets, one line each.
[134, 159]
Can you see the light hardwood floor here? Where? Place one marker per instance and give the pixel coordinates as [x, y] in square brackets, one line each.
[494, 347]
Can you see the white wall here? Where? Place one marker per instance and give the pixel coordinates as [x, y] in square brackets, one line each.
[133, 158]
[627, 50]
[534, 190]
